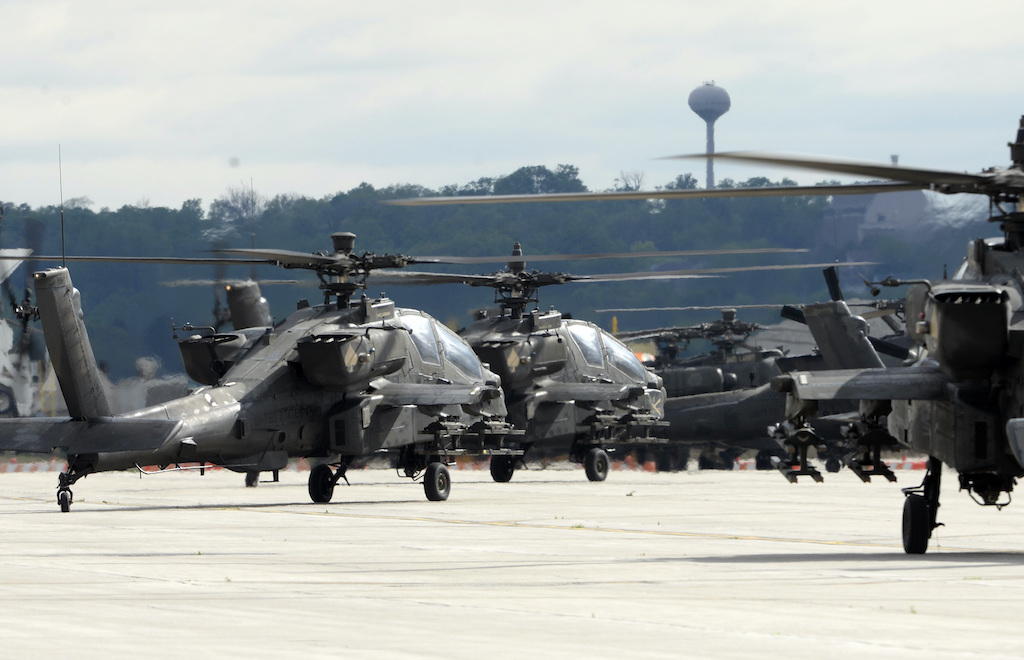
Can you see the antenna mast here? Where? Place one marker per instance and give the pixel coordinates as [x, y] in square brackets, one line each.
[60, 180]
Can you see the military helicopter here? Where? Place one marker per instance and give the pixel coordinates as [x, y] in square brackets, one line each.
[722, 399]
[960, 399]
[722, 368]
[730, 377]
[336, 381]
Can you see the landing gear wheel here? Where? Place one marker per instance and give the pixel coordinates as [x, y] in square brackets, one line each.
[252, 479]
[64, 499]
[833, 465]
[502, 468]
[763, 460]
[596, 464]
[321, 483]
[917, 525]
[437, 483]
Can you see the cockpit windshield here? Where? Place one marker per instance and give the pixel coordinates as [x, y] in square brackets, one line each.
[459, 353]
[423, 337]
[589, 343]
[623, 358]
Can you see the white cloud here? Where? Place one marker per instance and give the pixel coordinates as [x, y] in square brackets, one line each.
[315, 97]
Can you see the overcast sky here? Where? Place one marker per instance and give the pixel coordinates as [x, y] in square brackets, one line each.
[163, 102]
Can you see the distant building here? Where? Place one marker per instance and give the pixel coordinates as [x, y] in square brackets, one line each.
[911, 212]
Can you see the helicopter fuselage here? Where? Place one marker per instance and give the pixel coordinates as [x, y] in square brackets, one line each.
[570, 385]
[971, 329]
[320, 384]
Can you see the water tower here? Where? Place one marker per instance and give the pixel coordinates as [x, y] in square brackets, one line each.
[710, 102]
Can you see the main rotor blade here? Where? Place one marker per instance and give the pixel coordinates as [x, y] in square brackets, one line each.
[605, 255]
[229, 281]
[281, 256]
[922, 176]
[156, 260]
[705, 272]
[882, 308]
[399, 277]
[625, 195]
[689, 308]
[417, 277]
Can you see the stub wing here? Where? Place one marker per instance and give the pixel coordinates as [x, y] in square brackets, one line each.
[43, 435]
[558, 391]
[909, 383]
[428, 394]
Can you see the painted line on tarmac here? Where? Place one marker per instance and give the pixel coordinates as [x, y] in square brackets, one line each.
[605, 530]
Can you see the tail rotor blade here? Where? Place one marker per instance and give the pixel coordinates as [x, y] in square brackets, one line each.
[832, 280]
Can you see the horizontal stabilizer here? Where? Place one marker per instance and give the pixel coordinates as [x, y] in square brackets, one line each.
[42, 435]
[911, 383]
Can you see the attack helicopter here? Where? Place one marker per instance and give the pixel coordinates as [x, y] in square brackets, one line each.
[723, 400]
[699, 387]
[960, 400]
[574, 388]
[960, 397]
[334, 381]
[722, 368]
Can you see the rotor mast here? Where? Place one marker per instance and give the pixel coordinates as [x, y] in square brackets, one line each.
[346, 272]
[1012, 223]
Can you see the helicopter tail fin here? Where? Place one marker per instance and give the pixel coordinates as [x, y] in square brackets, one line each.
[842, 337]
[67, 341]
[249, 309]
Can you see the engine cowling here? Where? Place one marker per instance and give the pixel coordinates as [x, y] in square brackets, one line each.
[347, 360]
[965, 327]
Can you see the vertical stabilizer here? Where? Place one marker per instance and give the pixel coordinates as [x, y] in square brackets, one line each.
[249, 309]
[842, 337]
[60, 312]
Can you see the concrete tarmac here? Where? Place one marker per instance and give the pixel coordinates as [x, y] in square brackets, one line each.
[644, 565]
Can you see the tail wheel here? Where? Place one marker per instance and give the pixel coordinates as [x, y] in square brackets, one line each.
[596, 464]
[502, 468]
[437, 483]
